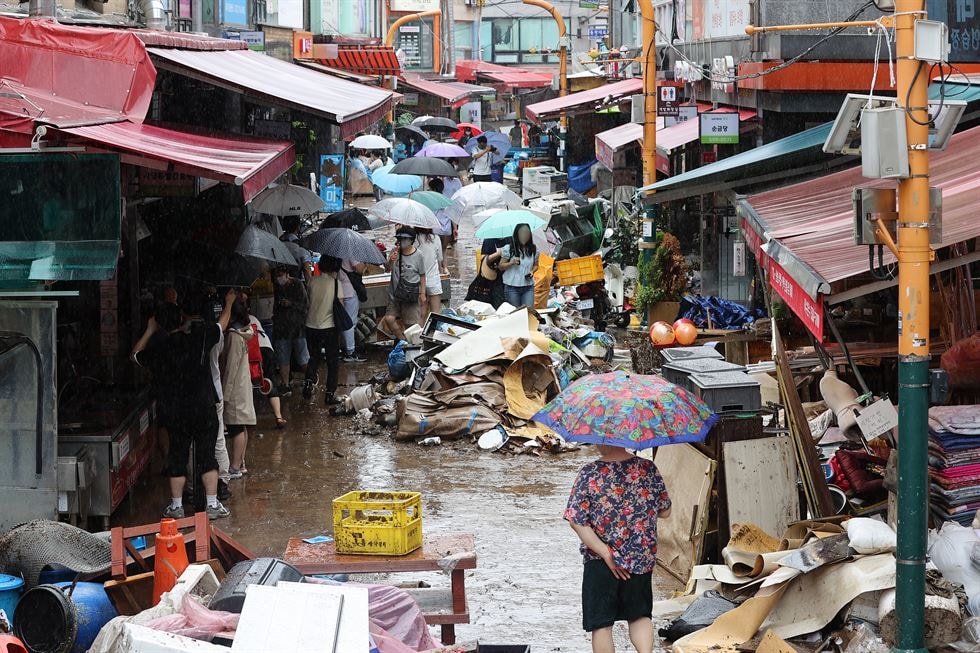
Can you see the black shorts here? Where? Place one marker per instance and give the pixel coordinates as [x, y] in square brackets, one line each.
[606, 599]
[199, 428]
[234, 429]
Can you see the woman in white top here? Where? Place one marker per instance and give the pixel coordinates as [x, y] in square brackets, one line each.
[431, 247]
[519, 262]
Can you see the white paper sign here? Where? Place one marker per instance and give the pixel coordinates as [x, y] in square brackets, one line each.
[878, 418]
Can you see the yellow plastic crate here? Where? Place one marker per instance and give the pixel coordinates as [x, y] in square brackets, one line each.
[573, 271]
[377, 523]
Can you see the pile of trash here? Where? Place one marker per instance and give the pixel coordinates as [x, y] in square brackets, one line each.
[826, 584]
[481, 373]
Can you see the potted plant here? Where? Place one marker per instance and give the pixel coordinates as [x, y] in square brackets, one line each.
[662, 280]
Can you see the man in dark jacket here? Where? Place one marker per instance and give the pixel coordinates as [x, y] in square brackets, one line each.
[288, 319]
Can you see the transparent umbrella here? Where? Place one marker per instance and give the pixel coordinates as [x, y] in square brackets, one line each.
[405, 211]
[480, 196]
[370, 142]
[258, 243]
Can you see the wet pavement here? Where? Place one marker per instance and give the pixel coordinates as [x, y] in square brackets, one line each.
[526, 588]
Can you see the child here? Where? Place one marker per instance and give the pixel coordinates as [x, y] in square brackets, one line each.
[613, 509]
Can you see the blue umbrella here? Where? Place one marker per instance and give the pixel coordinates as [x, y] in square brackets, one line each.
[502, 223]
[395, 184]
[497, 140]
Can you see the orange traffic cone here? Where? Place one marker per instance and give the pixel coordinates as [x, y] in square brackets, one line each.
[171, 558]
[10, 644]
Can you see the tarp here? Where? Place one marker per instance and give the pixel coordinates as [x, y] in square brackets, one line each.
[453, 94]
[585, 101]
[267, 79]
[64, 75]
[250, 163]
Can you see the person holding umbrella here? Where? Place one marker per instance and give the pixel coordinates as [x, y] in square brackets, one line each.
[288, 318]
[518, 263]
[407, 290]
[482, 161]
[322, 334]
[616, 500]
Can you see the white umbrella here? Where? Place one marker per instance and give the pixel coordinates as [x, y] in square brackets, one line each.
[400, 210]
[370, 142]
[481, 196]
[287, 199]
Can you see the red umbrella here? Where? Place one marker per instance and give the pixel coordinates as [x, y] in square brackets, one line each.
[463, 126]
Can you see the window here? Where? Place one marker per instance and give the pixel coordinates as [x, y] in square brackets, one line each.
[463, 33]
[513, 40]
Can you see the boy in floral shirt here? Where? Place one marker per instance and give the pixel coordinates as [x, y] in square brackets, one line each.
[613, 509]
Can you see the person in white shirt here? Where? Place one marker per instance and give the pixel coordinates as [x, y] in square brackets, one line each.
[482, 160]
[322, 336]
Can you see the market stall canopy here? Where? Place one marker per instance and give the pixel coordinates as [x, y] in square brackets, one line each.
[352, 106]
[250, 163]
[807, 229]
[470, 70]
[585, 101]
[452, 94]
[336, 72]
[365, 59]
[67, 76]
[609, 142]
[682, 133]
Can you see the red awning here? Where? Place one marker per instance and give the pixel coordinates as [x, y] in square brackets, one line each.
[352, 106]
[185, 41]
[470, 70]
[365, 59]
[64, 75]
[453, 94]
[585, 101]
[250, 163]
[807, 228]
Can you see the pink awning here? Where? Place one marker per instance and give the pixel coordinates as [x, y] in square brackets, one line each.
[453, 94]
[471, 70]
[352, 106]
[690, 130]
[808, 227]
[250, 163]
[609, 142]
[585, 101]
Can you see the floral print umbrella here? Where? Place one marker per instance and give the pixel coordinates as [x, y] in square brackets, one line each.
[632, 411]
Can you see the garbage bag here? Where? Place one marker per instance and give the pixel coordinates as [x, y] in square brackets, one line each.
[580, 176]
[870, 536]
[196, 621]
[700, 614]
[951, 549]
[724, 313]
[398, 367]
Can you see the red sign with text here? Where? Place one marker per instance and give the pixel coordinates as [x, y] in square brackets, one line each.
[809, 311]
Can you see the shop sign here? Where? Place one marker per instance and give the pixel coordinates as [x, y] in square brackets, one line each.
[668, 104]
[414, 5]
[719, 18]
[472, 112]
[738, 259]
[963, 19]
[687, 112]
[162, 183]
[597, 33]
[719, 128]
[410, 99]
[809, 310]
[332, 182]
[234, 12]
[410, 42]
[302, 45]
[254, 40]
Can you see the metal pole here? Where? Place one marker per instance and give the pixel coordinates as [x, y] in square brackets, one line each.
[562, 70]
[649, 57]
[914, 256]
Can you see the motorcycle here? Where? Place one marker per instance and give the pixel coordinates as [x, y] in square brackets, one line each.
[603, 301]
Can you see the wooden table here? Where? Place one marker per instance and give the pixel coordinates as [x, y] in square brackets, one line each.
[454, 553]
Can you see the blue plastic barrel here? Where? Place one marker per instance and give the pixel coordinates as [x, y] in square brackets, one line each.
[11, 588]
[52, 621]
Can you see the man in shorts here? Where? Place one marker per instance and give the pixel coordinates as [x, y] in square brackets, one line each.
[409, 264]
[288, 318]
[613, 508]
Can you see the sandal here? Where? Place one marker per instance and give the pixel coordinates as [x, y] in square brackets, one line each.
[280, 423]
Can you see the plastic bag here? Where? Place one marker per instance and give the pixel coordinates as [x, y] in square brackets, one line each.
[398, 367]
[700, 614]
[865, 640]
[951, 550]
[196, 621]
[870, 536]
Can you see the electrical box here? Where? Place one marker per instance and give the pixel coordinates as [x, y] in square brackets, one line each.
[637, 109]
[931, 41]
[884, 146]
[543, 180]
[870, 204]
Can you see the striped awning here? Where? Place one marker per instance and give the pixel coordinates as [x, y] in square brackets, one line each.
[365, 60]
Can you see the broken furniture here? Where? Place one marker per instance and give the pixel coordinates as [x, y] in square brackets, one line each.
[453, 554]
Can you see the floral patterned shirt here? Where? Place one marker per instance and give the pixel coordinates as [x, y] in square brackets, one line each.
[621, 501]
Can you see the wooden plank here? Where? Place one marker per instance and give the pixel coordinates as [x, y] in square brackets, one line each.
[760, 484]
[814, 483]
[438, 553]
[131, 595]
[689, 476]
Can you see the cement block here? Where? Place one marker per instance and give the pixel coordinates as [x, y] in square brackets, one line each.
[140, 639]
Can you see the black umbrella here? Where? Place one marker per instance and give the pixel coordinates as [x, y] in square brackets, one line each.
[344, 244]
[411, 132]
[438, 124]
[352, 218]
[425, 167]
[211, 265]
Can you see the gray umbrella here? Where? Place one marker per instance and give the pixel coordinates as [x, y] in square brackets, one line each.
[344, 244]
[437, 124]
[411, 132]
[258, 243]
[425, 167]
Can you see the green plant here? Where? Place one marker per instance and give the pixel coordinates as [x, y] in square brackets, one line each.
[662, 277]
[624, 240]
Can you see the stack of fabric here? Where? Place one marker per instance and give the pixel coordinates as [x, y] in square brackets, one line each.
[954, 462]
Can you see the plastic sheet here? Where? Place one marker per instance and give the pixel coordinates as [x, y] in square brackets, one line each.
[951, 550]
[196, 621]
[724, 313]
[398, 366]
